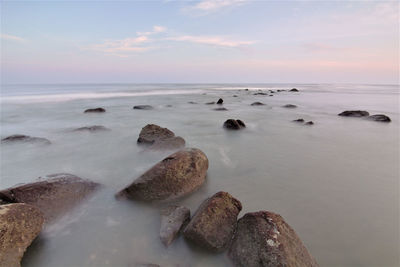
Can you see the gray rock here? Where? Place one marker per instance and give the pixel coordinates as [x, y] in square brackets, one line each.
[173, 219]
[143, 107]
[354, 113]
[232, 124]
[95, 110]
[25, 139]
[379, 117]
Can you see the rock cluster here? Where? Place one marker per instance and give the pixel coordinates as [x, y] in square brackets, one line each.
[234, 124]
[365, 114]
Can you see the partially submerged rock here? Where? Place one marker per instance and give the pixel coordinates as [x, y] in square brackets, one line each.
[309, 123]
[379, 117]
[220, 109]
[175, 176]
[293, 90]
[53, 196]
[94, 128]
[159, 138]
[264, 239]
[290, 106]
[173, 219]
[210, 103]
[257, 104]
[192, 102]
[19, 225]
[95, 110]
[234, 124]
[214, 223]
[260, 93]
[354, 113]
[220, 101]
[299, 120]
[144, 107]
[172, 143]
[25, 138]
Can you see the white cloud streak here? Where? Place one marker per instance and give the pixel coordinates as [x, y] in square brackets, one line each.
[210, 6]
[211, 40]
[12, 38]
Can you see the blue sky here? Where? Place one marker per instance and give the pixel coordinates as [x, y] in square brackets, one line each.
[200, 41]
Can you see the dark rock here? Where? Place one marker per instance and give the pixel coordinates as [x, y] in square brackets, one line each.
[151, 133]
[293, 90]
[220, 109]
[175, 176]
[220, 101]
[53, 196]
[214, 223]
[144, 107]
[290, 106]
[271, 95]
[94, 128]
[260, 93]
[19, 225]
[234, 124]
[25, 138]
[191, 102]
[309, 123]
[95, 110]
[264, 239]
[379, 117]
[234, 96]
[281, 90]
[354, 113]
[246, 89]
[210, 103]
[272, 91]
[298, 120]
[173, 219]
[172, 143]
[257, 104]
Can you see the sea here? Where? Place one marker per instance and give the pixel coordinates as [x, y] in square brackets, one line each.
[335, 182]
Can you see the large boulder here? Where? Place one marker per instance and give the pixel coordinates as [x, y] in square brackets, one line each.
[264, 239]
[214, 223]
[354, 113]
[159, 138]
[232, 124]
[95, 110]
[175, 176]
[25, 138]
[19, 225]
[173, 219]
[53, 196]
[379, 117]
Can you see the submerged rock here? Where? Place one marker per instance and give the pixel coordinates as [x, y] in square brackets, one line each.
[25, 138]
[379, 117]
[298, 120]
[290, 106]
[172, 143]
[191, 102]
[264, 239]
[260, 93]
[220, 101]
[234, 124]
[94, 128]
[214, 223]
[53, 196]
[175, 176]
[210, 103]
[159, 138]
[293, 90]
[19, 225]
[220, 109]
[144, 107]
[257, 104]
[173, 219]
[95, 110]
[354, 113]
[309, 123]
[234, 96]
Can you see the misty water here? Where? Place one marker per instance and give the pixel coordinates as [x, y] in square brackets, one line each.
[335, 182]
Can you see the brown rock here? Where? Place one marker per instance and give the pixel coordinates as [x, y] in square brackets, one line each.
[264, 239]
[19, 225]
[172, 143]
[214, 223]
[151, 133]
[173, 219]
[234, 124]
[175, 176]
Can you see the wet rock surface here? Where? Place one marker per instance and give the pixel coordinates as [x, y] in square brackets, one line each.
[95, 110]
[16, 138]
[354, 113]
[173, 219]
[257, 104]
[379, 117]
[175, 176]
[159, 138]
[19, 225]
[264, 239]
[143, 107]
[234, 124]
[214, 223]
[94, 128]
[53, 196]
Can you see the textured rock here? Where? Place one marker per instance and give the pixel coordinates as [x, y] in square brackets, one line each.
[220, 101]
[234, 124]
[25, 138]
[214, 223]
[53, 196]
[151, 133]
[379, 117]
[175, 176]
[264, 239]
[19, 225]
[293, 90]
[298, 120]
[290, 106]
[354, 113]
[144, 107]
[95, 110]
[94, 128]
[257, 104]
[173, 219]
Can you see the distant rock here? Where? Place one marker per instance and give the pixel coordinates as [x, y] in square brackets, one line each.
[19, 225]
[234, 96]
[290, 106]
[210, 103]
[257, 104]
[143, 107]
[264, 239]
[309, 123]
[152, 132]
[25, 138]
[94, 128]
[234, 124]
[175, 176]
[246, 89]
[281, 90]
[169, 106]
[379, 117]
[298, 120]
[260, 93]
[220, 109]
[354, 113]
[173, 219]
[271, 95]
[191, 102]
[293, 90]
[272, 91]
[220, 101]
[214, 223]
[95, 110]
[53, 196]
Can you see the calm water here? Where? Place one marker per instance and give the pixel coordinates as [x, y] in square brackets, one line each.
[336, 182]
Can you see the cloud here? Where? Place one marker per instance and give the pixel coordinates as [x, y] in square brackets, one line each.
[12, 38]
[211, 40]
[209, 6]
[156, 29]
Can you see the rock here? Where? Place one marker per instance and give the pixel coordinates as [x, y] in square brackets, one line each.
[214, 223]
[234, 124]
[152, 133]
[309, 123]
[272, 91]
[144, 107]
[220, 101]
[19, 225]
[298, 120]
[271, 95]
[379, 117]
[25, 138]
[191, 102]
[281, 90]
[293, 90]
[172, 143]
[173, 219]
[210, 103]
[95, 110]
[264, 239]
[246, 89]
[257, 104]
[234, 96]
[94, 128]
[53, 196]
[354, 113]
[290, 106]
[260, 93]
[169, 106]
[220, 109]
[175, 176]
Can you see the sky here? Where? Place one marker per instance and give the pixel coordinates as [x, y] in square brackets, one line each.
[225, 41]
